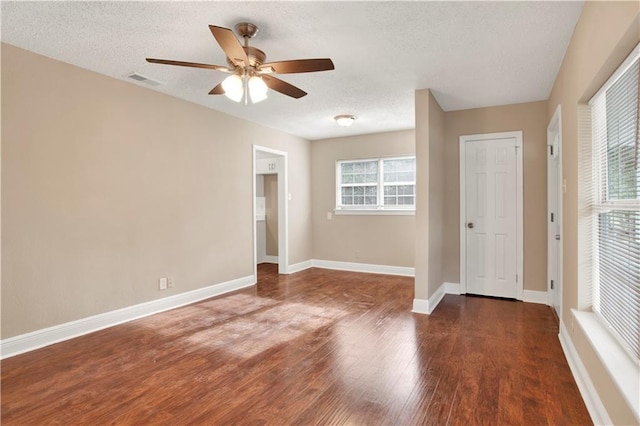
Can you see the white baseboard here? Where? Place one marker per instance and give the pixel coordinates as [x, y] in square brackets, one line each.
[421, 306]
[436, 297]
[297, 267]
[364, 267]
[40, 338]
[452, 288]
[596, 409]
[352, 267]
[270, 259]
[533, 296]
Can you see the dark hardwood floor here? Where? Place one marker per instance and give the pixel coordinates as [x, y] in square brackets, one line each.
[316, 347]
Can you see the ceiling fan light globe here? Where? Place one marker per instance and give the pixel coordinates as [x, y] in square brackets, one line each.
[257, 89]
[233, 87]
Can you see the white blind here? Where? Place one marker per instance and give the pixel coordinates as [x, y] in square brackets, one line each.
[616, 204]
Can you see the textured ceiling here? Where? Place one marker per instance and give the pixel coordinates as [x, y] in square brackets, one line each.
[471, 54]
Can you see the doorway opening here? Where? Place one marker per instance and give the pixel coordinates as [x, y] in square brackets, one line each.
[270, 209]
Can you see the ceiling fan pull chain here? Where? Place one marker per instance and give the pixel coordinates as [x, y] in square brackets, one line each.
[245, 81]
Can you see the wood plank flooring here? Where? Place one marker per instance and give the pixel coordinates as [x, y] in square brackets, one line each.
[316, 347]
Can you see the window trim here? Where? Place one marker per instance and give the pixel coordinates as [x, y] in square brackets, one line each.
[380, 208]
[598, 204]
[615, 359]
[371, 212]
[620, 364]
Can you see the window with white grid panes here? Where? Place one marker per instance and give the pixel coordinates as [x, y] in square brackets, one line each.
[399, 182]
[359, 183]
[376, 184]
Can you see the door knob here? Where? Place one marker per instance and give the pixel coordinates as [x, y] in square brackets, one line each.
[470, 225]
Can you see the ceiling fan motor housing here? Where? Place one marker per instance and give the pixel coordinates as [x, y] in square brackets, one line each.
[246, 29]
[256, 57]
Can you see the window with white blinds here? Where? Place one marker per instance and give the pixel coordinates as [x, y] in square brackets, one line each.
[615, 203]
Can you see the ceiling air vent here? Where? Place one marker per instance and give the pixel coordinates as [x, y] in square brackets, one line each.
[144, 80]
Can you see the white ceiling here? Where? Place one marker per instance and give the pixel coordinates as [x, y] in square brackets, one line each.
[471, 54]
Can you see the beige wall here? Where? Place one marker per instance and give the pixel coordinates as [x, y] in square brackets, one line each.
[379, 240]
[605, 34]
[271, 213]
[437, 195]
[531, 118]
[422, 195]
[430, 159]
[107, 186]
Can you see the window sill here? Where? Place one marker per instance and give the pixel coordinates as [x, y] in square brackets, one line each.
[624, 372]
[374, 212]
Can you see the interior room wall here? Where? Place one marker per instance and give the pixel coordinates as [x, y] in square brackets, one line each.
[271, 205]
[378, 240]
[605, 34]
[430, 156]
[108, 186]
[422, 228]
[437, 195]
[531, 118]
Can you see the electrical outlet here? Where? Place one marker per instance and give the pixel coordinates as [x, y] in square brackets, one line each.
[162, 283]
[170, 282]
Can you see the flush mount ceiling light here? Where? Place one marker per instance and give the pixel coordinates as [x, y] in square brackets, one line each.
[251, 76]
[345, 120]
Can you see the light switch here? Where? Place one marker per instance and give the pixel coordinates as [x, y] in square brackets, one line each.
[329, 216]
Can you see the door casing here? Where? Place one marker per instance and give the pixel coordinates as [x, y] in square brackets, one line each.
[517, 135]
[283, 209]
[554, 205]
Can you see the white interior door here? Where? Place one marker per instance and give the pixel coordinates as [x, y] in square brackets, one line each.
[491, 217]
[554, 213]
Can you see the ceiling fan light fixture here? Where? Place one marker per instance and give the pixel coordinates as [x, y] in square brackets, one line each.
[249, 69]
[257, 89]
[233, 87]
[345, 120]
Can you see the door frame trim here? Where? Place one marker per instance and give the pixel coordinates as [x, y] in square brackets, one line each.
[519, 206]
[555, 127]
[283, 210]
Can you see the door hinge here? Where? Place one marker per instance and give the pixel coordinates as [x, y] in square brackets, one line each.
[551, 148]
[552, 217]
[551, 284]
[516, 277]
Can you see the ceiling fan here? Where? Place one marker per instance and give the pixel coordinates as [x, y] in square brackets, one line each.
[251, 76]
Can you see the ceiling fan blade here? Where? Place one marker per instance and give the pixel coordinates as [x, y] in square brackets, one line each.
[283, 87]
[300, 65]
[187, 64]
[218, 90]
[230, 45]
